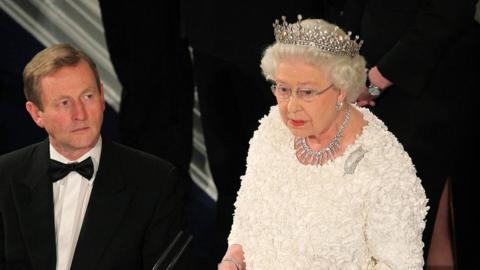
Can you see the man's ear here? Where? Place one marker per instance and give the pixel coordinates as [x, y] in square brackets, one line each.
[102, 95]
[35, 113]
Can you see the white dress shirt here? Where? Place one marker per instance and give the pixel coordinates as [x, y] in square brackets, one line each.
[70, 198]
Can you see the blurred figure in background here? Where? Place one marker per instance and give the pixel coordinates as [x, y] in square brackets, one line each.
[423, 62]
[464, 197]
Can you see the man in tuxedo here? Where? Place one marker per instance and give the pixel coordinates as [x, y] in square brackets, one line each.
[75, 200]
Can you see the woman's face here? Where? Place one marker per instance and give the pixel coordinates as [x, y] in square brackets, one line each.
[311, 117]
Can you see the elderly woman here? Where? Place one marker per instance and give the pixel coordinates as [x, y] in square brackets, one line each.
[327, 186]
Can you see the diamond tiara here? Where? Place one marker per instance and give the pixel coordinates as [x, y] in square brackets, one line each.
[333, 42]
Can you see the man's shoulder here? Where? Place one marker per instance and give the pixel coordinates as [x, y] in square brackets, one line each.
[132, 156]
[138, 168]
[14, 165]
[19, 156]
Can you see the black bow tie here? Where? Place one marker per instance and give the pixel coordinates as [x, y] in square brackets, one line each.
[58, 170]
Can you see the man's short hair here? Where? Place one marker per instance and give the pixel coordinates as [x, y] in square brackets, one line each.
[49, 61]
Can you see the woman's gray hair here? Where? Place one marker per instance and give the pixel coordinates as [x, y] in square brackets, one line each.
[345, 72]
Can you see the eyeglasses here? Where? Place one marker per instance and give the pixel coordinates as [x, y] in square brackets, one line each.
[283, 92]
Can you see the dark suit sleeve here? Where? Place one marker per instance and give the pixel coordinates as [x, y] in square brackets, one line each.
[347, 15]
[435, 26]
[411, 60]
[167, 221]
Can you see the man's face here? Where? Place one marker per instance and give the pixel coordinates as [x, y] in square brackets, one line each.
[72, 111]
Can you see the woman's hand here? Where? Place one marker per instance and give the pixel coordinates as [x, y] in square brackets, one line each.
[233, 259]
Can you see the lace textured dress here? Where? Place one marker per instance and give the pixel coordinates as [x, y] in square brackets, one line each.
[362, 210]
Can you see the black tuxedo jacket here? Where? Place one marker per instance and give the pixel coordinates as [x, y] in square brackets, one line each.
[135, 210]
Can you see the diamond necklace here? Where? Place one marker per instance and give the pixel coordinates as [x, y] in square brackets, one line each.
[306, 155]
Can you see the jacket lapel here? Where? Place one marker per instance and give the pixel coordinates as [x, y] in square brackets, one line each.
[108, 202]
[33, 198]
